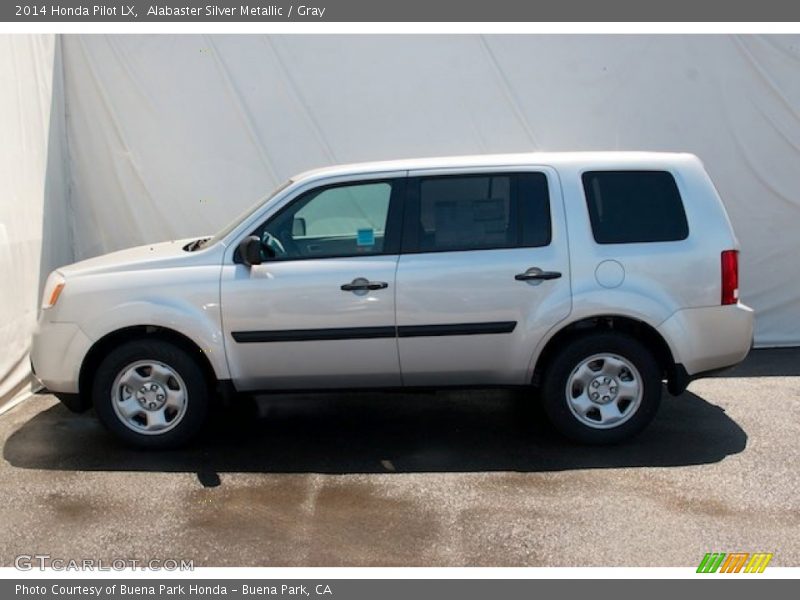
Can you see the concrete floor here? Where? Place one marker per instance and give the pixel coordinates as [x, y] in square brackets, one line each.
[448, 479]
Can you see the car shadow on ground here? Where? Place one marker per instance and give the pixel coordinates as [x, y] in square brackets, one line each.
[488, 430]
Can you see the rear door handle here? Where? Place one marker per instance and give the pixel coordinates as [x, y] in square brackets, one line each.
[361, 284]
[536, 274]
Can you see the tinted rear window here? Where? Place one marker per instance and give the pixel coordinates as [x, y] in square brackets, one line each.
[481, 212]
[634, 206]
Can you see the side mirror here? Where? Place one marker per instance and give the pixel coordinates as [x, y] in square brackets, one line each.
[250, 250]
[298, 227]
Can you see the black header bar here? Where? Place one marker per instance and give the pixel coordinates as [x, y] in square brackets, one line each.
[316, 11]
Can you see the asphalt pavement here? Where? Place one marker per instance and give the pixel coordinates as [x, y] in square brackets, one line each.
[471, 478]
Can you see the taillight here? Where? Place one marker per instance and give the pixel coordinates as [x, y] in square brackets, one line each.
[730, 276]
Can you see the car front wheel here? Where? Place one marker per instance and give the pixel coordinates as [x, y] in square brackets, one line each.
[151, 394]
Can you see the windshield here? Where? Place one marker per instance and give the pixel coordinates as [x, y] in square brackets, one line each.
[233, 224]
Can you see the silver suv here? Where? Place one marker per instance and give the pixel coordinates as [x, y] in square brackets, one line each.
[592, 277]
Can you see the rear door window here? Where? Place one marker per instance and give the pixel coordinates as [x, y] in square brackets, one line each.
[480, 212]
[628, 207]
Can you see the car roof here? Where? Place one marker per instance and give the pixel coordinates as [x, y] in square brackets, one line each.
[606, 159]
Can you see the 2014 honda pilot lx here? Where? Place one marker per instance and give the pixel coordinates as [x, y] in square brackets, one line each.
[589, 278]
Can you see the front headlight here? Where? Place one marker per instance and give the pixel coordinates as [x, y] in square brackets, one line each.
[52, 289]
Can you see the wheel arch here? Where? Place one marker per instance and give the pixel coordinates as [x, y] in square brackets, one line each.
[105, 344]
[671, 371]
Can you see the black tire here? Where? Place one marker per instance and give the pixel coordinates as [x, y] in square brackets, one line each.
[567, 359]
[196, 393]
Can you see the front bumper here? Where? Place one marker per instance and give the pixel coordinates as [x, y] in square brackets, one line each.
[57, 353]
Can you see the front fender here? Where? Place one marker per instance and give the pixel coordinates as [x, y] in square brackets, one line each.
[200, 324]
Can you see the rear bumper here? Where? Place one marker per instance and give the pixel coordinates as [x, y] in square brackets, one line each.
[708, 339]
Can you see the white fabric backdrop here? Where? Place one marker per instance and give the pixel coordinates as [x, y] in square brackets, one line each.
[171, 136]
[34, 236]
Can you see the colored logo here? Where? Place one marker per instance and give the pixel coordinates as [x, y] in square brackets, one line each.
[734, 562]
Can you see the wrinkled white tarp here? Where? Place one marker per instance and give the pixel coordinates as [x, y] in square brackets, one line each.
[34, 234]
[171, 136]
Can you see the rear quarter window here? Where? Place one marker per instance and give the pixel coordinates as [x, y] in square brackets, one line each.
[627, 207]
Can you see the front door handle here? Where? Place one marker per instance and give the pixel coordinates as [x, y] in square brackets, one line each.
[360, 284]
[536, 274]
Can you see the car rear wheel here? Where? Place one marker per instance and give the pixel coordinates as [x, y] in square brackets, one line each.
[151, 394]
[602, 388]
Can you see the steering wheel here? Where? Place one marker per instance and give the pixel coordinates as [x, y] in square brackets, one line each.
[270, 241]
